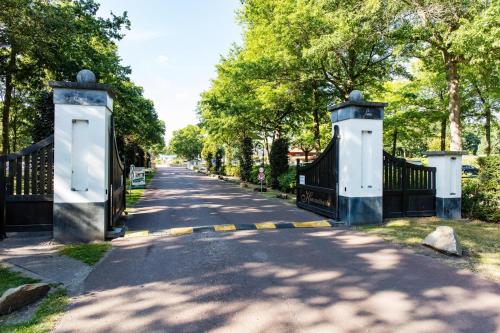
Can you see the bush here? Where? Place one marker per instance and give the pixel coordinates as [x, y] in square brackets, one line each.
[232, 170]
[218, 161]
[287, 181]
[481, 195]
[245, 158]
[279, 160]
[208, 161]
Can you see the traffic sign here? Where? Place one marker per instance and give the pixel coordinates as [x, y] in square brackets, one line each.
[261, 170]
[261, 176]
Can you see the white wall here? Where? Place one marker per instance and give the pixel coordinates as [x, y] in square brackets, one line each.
[360, 158]
[448, 175]
[96, 145]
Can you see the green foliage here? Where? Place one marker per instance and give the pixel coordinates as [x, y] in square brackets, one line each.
[232, 170]
[10, 279]
[278, 160]
[187, 142]
[481, 195]
[288, 180]
[53, 40]
[89, 254]
[219, 155]
[471, 143]
[245, 158]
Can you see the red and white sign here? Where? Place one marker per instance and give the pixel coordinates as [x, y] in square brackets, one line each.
[261, 176]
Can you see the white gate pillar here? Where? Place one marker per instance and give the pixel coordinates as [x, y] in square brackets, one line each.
[360, 159]
[448, 166]
[81, 158]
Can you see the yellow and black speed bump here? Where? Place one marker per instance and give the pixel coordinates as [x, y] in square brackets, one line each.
[253, 226]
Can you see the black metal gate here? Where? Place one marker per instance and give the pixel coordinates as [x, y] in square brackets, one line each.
[27, 188]
[409, 189]
[116, 181]
[317, 182]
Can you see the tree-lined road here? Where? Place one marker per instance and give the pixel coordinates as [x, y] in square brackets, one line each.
[295, 280]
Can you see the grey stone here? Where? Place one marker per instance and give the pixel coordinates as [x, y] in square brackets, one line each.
[356, 96]
[85, 76]
[16, 298]
[444, 239]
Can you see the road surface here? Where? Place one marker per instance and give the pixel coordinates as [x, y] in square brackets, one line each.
[288, 280]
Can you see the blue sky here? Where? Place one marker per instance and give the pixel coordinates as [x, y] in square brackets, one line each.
[172, 48]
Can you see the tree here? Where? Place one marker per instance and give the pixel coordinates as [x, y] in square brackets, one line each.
[219, 155]
[435, 26]
[246, 162]
[187, 142]
[278, 160]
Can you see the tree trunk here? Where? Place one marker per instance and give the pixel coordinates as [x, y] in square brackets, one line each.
[443, 134]
[487, 125]
[8, 100]
[394, 141]
[487, 128]
[317, 135]
[454, 103]
[306, 156]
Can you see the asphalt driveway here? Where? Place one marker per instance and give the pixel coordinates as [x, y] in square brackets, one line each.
[290, 280]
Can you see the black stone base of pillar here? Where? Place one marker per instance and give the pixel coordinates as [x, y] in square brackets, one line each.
[449, 208]
[360, 210]
[80, 222]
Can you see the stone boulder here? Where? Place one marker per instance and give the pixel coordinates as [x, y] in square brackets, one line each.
[16, 298]
[444, 239]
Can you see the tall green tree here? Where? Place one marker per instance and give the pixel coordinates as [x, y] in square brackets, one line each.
[186, 142]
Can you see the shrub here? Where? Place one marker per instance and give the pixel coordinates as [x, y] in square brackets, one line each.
[218, 161]
[208, 161]
[279, 160]
[287, 181]
[232, 170]
[245, 158]
[481, 195]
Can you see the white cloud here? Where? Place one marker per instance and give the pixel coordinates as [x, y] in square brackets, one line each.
[162, 59]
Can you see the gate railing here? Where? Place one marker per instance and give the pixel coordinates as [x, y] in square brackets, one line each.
[409, 189]
[117, 181]
[27, 188]
[317, 182]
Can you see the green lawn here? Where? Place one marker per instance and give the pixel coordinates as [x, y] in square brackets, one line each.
[88, 253]
[10, 279]
[480, 240]
[135, 194]
[45, 316]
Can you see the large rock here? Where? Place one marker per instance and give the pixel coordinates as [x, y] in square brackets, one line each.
[15, 298]
[444, 239]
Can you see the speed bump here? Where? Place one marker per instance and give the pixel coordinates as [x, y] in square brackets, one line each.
[265, 225]
[181, 231]
[225, 227]
[312, 224]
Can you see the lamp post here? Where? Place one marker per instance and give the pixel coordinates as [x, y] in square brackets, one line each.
[258, 146]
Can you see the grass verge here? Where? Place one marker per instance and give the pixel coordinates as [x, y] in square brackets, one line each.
[10, 279]
[133, 195]
[88, 253]
[480, 240]
[45, 316]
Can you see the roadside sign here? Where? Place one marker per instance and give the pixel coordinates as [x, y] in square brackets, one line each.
[302, 179]
[261, 170]
[137, 177]
[261, 176]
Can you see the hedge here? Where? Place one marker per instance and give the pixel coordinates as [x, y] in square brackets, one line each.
[481, 195]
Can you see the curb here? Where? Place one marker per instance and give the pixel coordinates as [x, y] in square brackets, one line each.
[236, 227]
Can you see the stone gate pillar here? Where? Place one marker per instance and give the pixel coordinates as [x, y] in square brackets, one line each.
[360, 159]
[81, 158]
[448, 166]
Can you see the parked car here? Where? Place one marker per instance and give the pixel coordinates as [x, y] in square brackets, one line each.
[469, 170]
